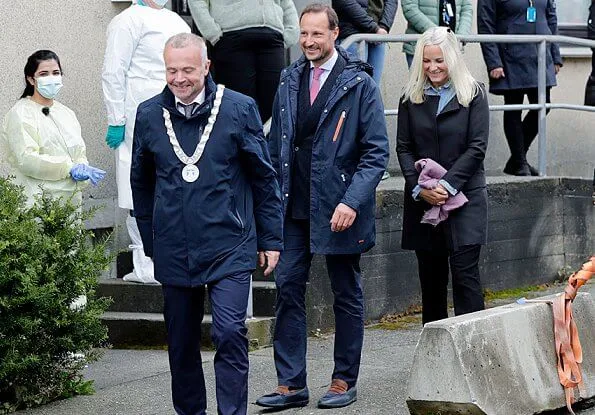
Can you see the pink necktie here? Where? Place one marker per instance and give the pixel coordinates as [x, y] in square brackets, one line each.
[315, 85]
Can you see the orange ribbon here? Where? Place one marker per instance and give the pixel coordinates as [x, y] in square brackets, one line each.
[568, 345]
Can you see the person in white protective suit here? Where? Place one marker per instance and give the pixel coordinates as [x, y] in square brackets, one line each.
[134, 71]
[41, 138]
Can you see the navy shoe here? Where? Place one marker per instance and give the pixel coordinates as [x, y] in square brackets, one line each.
[338, 395]
[283, 398]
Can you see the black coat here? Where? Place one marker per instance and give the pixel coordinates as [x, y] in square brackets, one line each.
[457, 139]
[591, 21]
[353, 17]
[383, 12]
[519, 60]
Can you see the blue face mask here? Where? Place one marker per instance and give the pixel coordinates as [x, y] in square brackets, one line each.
[49, 86]
[160, 3]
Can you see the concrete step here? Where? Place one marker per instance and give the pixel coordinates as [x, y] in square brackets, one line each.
[148, 329]
[147, 298]
[124, 266]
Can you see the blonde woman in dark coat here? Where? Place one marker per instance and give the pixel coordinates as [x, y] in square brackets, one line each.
[444, 116]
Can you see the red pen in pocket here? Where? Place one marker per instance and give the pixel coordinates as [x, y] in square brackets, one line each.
[339, 125]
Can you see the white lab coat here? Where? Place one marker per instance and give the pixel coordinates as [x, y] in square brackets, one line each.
[134, 71]
[41, 149]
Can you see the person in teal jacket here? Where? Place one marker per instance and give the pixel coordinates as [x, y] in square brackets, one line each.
[423, 14]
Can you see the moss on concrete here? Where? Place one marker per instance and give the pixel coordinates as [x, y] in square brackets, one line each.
[513, 293]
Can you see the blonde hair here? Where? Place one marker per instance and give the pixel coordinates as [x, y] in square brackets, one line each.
[461, 79]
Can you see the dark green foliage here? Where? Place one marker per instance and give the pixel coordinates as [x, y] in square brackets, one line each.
[47, 260]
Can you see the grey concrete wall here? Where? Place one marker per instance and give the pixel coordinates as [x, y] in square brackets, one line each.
[536, 228]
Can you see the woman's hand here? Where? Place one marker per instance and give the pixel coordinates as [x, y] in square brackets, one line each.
[497, 73]
[436, 196]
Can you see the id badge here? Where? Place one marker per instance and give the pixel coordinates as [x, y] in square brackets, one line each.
[449, 10]
[531, 14]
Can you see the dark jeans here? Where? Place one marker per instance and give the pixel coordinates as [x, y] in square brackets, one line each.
[250, 61]
[521, 133]
[183, 312]
[433, 266]
[290, 339]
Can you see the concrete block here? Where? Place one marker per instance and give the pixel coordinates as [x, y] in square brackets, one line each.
[499, 361]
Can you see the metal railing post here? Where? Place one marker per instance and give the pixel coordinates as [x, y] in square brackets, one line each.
[361, 50]
[541, 98]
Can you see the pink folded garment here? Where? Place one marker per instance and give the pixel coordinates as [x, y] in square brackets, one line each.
[430, 173]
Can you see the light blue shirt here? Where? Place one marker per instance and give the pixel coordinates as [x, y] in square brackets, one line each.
[446, 92]
[327, 66]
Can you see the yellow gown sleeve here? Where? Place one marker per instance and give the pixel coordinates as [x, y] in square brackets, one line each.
[23, 141]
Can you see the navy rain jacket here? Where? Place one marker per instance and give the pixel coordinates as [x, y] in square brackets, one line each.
[345, 170]
[200, 232]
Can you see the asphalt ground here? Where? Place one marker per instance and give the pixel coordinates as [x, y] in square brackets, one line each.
[137, 382]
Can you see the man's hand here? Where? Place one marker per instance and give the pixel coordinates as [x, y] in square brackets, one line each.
[381, 31]
[343, 218]
[436, 196]
[497, 73]
[557, 68]
[268, 258]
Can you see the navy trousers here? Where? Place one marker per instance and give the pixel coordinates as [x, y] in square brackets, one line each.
[183, 312]
[290, 339]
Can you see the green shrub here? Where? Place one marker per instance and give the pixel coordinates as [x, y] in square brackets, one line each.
[47, 260]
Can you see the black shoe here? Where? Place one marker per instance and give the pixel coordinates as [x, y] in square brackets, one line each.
[533, 170]
[283, 398]
[522, 170]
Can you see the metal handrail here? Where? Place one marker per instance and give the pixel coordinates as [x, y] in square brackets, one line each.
[541, 105]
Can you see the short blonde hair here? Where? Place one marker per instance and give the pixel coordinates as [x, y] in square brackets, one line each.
[461, 79]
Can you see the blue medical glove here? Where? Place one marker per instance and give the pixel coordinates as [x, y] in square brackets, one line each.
[115, 135]
[78, 172]
[95, 175]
